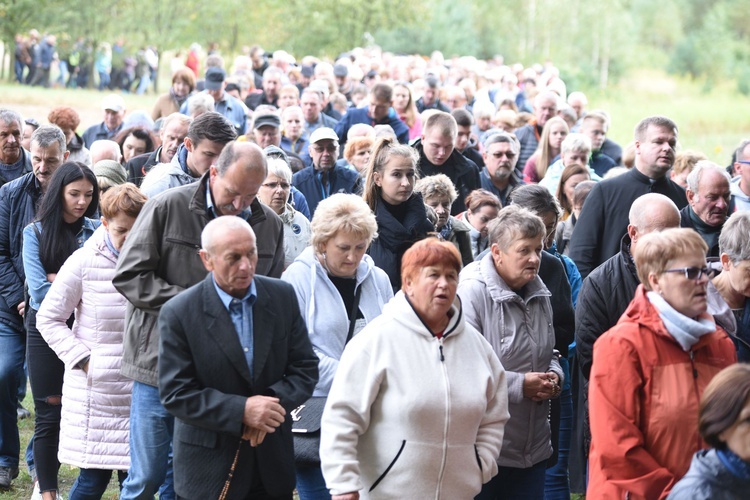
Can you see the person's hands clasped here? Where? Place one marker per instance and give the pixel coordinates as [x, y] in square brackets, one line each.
[539, 386]
[263, 413]
[354, 495]
[255, 436]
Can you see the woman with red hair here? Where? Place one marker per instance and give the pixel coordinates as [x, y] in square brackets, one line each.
[419, 402]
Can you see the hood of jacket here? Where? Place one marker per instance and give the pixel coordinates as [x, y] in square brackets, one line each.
[737, 192]
[403, 312]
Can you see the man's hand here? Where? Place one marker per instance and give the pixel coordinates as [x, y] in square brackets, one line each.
[539, 386]
[354, 495]
[263, 413]
[21, 308]
[255, 436]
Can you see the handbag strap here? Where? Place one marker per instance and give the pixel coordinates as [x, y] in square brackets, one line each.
[353, 315]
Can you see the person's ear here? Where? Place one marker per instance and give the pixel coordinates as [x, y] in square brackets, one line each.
[632, 233]
[206, 259]
[377, 179]
[653, 281]
[497, 254]
[725, 261]
[188, 144]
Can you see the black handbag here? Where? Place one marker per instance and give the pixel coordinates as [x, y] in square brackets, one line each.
[306, 417]
[306, 430]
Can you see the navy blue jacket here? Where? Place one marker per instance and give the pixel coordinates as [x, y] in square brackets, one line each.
[18, 202]
[359, 115]
[340, 180]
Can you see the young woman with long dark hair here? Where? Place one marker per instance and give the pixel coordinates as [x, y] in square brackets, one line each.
[61, 227]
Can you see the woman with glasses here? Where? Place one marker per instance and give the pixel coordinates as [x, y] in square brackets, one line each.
[650, 370]
[274, 192]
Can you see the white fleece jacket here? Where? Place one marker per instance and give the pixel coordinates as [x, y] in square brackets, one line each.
[413, 416]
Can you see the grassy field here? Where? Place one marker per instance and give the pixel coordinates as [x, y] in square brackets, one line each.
[22, 486]
[712, 122]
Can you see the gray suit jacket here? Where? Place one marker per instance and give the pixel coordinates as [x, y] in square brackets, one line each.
[204, 381]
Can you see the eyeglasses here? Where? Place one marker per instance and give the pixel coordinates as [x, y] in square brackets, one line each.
[330, 149]
[276, 185]
[509, 155]
[744, 162]
[691, 273]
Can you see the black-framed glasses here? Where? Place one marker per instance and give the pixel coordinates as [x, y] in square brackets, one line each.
[691, 273]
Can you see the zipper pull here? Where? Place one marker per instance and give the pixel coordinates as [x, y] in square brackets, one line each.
[440, 348]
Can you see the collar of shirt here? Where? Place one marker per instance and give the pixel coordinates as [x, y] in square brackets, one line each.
[227, 299]
[211, 207]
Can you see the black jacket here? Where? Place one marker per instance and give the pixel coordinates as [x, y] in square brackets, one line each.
[604, 296]
[204, 381]
[604, 218]
[395, 238]
[140, 165]
[463, 172]
[18, 201]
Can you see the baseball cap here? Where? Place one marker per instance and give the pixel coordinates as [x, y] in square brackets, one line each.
[323, 133]
[214, 78]
[267, 120]
[113, 102]
[340, 70]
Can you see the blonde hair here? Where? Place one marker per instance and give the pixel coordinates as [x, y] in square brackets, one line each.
[543, 152]
[436, 185]
[656, 250]
[384, 148]
[342, 213]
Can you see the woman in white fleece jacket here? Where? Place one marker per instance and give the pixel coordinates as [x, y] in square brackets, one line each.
[339, 291]
[418, 405]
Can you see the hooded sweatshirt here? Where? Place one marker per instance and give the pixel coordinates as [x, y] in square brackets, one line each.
[323, 308]
[411, 415]
[741, 200]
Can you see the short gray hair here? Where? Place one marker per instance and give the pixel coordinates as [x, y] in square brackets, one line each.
[279, 168]
[10, 116]
[694, 177]
[46, 135]
[200, 103]
[513, 223]
[223, 223]
[575, 142]
[502, 136]
[734, 237]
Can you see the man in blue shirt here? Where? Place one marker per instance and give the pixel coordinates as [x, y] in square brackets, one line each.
[114, 112]
[231, 107]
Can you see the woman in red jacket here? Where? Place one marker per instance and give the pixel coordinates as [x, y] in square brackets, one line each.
[650, 370]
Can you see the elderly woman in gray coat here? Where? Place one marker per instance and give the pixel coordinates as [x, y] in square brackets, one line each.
[504, 298]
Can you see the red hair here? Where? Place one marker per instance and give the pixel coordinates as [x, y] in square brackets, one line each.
[426, 253]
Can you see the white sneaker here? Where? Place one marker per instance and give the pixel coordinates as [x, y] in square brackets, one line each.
[36, 495]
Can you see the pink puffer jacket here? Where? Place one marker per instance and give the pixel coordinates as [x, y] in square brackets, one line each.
[94, 431]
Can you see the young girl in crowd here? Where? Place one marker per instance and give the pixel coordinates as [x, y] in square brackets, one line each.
[96, 397]
[62, 226]
[553, 133]
[399, 211]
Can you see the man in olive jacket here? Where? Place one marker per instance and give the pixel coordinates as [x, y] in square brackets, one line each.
[160, 260]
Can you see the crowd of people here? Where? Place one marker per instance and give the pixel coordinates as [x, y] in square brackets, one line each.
[378, 277]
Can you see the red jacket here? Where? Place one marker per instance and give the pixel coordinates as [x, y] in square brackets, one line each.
[644, 396]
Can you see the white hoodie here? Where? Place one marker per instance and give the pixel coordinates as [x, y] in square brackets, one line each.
[741, 200]
[323, 308]
[413, 416]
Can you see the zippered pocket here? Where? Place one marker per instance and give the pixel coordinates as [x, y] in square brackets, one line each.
[388, 469]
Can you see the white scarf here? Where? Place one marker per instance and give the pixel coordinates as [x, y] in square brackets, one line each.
[686, 331]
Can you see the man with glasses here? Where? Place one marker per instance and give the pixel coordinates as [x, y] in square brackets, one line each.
[325, 177]
[740, 186]
[708, 203]
[500, 156]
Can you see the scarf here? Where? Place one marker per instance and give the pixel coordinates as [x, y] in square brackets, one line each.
[686, 331]
[108, 242]
[176, 98]
[445, 233]
[734, 464]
